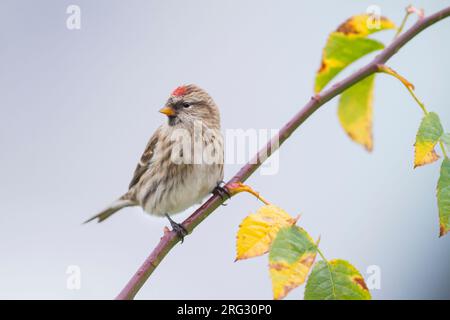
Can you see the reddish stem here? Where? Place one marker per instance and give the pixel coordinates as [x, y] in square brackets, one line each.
[170, 239]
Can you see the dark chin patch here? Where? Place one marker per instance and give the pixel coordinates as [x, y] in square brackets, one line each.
[173, 120]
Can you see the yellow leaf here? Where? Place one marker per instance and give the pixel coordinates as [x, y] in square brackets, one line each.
[257, 231]
[364, 24]
[355, 112]
[424, 153]
[428, 135]
[348, 44]
[291, 256]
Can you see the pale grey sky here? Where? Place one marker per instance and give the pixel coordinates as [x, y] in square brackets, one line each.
[77, 108]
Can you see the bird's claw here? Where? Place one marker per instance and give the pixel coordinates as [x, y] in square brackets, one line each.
[222, 192]
[178, 228]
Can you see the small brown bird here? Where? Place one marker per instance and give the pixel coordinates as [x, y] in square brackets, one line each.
[182, 162]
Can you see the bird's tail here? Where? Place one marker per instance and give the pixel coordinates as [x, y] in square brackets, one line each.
[121, 203]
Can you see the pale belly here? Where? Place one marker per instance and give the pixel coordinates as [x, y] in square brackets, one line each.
[180, 194]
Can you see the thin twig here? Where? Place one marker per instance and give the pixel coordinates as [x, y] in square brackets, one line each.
[409, 11]
[385, 69]
[170, 239]
[441, 144]
[402, 25]
[408, 85]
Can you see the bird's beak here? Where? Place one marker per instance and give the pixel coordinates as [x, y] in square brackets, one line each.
[168, 111]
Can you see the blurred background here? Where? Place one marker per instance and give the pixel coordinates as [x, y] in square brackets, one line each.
[78, 106]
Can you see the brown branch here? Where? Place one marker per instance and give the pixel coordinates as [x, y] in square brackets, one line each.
[170, 239]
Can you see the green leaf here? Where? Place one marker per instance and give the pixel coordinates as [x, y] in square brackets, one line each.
[355, 112]
[429, 133]
[336, 280]
[443, 198]
[340, 51]
[348, 44]
[291, 256]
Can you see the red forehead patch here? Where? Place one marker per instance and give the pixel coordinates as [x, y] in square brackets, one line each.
[180, 91]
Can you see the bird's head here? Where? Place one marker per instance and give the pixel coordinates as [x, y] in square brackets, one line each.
[189, 103]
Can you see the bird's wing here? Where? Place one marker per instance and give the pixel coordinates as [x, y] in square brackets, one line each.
[144, 163]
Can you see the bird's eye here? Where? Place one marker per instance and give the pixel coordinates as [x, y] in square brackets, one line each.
[186, 105]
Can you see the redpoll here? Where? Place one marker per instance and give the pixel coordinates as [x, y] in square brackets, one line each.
[182, 162]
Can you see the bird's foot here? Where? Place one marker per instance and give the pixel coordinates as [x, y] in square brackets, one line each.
[178, 228]
[222, 191]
